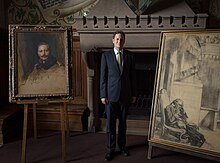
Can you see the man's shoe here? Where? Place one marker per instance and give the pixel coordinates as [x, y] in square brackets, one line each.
[108, 156]
[124, 152]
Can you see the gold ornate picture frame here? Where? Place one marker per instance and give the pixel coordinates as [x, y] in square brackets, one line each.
[40, 63]
[185, 113]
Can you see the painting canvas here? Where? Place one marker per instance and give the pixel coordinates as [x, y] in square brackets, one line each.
[40, 63]
[186, 103]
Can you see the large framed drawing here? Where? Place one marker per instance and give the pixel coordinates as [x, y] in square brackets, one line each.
[40, 63]
[186, 105]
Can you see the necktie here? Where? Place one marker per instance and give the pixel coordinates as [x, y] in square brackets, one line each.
[119, 59]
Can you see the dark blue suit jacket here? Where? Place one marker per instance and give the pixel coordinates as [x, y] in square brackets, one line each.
[115, 85]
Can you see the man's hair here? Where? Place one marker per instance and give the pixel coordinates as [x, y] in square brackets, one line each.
[43, 43]
[119, 32]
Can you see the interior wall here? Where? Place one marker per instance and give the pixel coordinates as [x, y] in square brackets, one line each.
[2, 19]
[31, 13]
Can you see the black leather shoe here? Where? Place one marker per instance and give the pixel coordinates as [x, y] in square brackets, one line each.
[108, 156]
[124, 152]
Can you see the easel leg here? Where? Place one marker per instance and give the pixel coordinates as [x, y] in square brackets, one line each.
[35, 120]
[63, 133]
[24, 139]
[66, 119]
[149, 153]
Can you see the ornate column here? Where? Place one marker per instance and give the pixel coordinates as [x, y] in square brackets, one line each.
[90, 83]
[90, 92]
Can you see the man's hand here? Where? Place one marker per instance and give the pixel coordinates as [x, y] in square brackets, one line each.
[104, 100]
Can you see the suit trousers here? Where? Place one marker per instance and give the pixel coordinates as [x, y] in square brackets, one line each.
[116, 110]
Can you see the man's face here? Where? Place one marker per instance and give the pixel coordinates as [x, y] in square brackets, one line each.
[118, 41]
[43, 52]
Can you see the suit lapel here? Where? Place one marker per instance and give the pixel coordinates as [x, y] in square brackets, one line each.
[114, 61]
[124, 57]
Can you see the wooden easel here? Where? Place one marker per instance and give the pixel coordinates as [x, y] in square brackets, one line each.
[63, 120]
[189, 152]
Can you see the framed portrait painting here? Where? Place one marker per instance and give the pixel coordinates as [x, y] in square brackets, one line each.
[40, 64]
[185, 112]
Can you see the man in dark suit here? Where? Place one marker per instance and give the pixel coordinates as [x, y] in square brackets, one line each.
[117, 91]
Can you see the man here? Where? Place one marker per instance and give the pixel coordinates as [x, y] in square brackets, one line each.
[175, 114]
[117, 91]
[177, 118]
[46, 60]
[47, 73]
